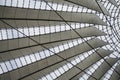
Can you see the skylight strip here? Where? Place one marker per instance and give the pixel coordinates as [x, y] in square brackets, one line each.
[34, 31]
[42, 5]
[67, 66]
[109, 72]
[91, 70]
[28, 59]
[115, 55]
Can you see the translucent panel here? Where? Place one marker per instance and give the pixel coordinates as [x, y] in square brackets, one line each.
[109, 72]
[106, 10]
[18, 62]
[70, 65]
[44, 78]
[42, 30]
[4, 67]
[1, 71]
[61, 48]
[61, 70]
[49, 77]
[31, 30]
[4, 34]
[0, 35]
[32, 57]
[53, 75]
[47, 52]
[11, 33]
[9, 66]
[39, 5]
[28, 60]
[91, 70]
[42, 54]
[22, 59]
[13, 64]
[74, 62]
[37, 56]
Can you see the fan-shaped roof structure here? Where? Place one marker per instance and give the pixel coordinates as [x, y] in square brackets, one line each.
[59, 40]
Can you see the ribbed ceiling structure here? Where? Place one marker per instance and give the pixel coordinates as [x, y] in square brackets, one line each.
[59, 39]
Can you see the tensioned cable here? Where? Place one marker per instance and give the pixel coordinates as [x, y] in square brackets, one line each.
[65, 22]
[45, 48]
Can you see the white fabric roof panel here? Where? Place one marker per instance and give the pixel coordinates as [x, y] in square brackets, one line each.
[85, 64]
[91, 4]
[115, 75]
[70, 34]
[96, 21]
[46, 15]
[103, 68]
[55, 59]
